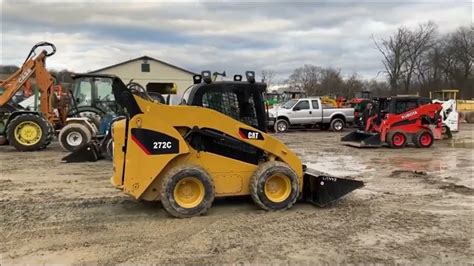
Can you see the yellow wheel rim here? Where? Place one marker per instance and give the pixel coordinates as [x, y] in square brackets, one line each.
[278, 188]
[189, 192]
[28, 133]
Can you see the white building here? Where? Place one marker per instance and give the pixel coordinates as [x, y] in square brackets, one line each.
[154, 75]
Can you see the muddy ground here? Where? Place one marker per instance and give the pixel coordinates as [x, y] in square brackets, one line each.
[417, 207]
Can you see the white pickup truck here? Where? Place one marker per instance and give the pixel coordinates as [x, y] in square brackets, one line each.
[309, 112]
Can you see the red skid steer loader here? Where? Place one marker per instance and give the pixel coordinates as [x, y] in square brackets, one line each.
[398, 121]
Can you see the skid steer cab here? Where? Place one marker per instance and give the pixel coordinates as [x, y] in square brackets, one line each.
[213, 145]
[399, 121]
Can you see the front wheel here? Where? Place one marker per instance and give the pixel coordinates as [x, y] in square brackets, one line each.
[274, 186]
[396, 139]
[281, 126]
[73, 136]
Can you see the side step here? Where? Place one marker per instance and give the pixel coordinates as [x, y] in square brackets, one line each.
[321, 190]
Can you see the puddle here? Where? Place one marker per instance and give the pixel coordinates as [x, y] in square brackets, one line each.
[461, 144]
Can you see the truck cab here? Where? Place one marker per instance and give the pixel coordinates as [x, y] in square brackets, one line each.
[309, 112]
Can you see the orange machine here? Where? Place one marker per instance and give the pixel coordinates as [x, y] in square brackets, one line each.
[31, 130]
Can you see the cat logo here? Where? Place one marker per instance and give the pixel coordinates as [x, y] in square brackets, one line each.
[250, 134]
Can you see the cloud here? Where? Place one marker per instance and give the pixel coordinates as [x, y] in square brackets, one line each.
[226, 35]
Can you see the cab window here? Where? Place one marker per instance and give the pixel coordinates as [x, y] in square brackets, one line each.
[104, 90]
[302, 105]
[83, 93]
[315, 104]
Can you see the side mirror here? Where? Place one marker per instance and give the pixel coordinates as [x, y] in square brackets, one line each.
[296, 108]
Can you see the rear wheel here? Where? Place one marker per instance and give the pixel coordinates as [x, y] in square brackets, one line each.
[396, 139]
[274, 186]
[187, 191]
[337, 124]
[29, 132]
[281, 126]
[73, 136]
[423, 139]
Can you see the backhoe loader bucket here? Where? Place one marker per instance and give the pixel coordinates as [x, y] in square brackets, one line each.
[90, 152]
[362, 139]
[321, 190]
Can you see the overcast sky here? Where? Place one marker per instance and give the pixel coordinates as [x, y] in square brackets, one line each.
[225, 35]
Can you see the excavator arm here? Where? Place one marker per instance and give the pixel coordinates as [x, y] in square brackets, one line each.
[33, 65]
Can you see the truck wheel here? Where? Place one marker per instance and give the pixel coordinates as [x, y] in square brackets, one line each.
[337, 124]
[187, 191]
[28, 132]
[396, 139]
[274, 186]
[423, 139]
[74, 136]
[281, 126]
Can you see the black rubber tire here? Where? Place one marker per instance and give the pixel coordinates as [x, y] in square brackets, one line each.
[260, 177]
[417, 139]
[285, 126]
[71, 128]
[109, 149]
[38, 120]
[390, 142]
[335, 124]
[447, 134]
[172, 177]
[50, 137]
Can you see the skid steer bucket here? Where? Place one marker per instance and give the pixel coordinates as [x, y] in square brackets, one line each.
[321, 190]
[362, 139]
[90, 152]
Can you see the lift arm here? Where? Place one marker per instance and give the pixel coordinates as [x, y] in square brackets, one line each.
[34, 64]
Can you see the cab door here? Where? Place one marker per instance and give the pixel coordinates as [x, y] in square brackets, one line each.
[302, 113]
[317, 112]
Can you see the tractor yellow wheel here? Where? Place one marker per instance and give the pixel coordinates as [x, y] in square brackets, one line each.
[189, 192]
[28, 133]
[274, 186]
[278, 187]
[186, 191]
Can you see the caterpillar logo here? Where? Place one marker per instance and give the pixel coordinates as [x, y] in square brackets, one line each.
[405, 116]
[250, 134]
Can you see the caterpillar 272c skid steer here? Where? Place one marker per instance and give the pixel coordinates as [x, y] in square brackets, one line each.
[214, 145]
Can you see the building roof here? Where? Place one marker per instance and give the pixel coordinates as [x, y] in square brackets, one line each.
[144, 58]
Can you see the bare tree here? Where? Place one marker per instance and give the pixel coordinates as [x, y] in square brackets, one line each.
[419, 43]
[331, 81]
[395, 55]
[268, 76]
[306, 77]
[352, 85]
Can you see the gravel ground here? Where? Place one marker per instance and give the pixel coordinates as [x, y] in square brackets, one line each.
[416, 207]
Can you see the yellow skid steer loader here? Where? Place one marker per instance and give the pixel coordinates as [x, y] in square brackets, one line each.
[213, 145]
